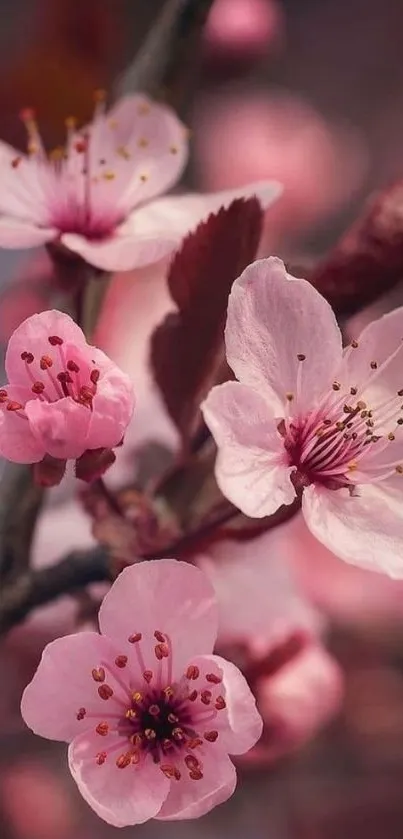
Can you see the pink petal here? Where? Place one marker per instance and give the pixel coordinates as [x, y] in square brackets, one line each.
[63, 684]
[272, 318]
[345, 592]
[61, 428]
[17, 442]
[251, 468]
[16, 233]
[376, 343]
[256, 593]
[162, 159]
[189, 799]
[123, 251]
[112, 405]
[298, 700]
[33, 335]
[161, 595]
[178, 214]
[366, 530]
[244, 28]
[119, 796]
[240, 724]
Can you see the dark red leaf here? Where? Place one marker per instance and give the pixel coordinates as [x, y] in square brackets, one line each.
[187, 351]
[368, 260]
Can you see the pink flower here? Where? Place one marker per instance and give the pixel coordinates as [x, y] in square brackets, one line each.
[265, 623]
[244, 28]
[303, 693]
[274, 135]
[95, 197]
[149, 713]
[309, 419]
[46, 812]
[64, 398]
[259, 603]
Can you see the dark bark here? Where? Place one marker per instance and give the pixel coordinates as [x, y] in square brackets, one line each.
[37, 587]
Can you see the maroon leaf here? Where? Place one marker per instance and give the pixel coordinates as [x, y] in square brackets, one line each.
[187, 351]
[368, 260]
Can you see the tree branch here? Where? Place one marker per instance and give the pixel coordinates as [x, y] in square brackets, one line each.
[167, 61]
[20, 503]
[37, 587]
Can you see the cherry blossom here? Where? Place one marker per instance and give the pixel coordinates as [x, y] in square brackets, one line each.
[297, 699]
[96, 195]
[267, 625]
[64, 399]
[149, 713]
[309, 419]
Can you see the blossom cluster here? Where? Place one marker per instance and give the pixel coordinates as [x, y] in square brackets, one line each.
[217, 656]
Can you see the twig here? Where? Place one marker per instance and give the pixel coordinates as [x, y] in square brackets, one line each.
[20, 503]
[35, 588]
[165, 64]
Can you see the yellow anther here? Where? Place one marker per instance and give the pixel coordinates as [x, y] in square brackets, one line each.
[142, 143]
[144, 178]
[352, 466]
[57, 153]
[108, 176]
[70, 122]
[173, 149]
[123, 152]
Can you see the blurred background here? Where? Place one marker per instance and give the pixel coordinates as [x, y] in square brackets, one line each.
[308, 92]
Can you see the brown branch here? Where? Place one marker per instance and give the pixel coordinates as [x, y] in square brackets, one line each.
[20, 503]
[166, 64]
[37, 587]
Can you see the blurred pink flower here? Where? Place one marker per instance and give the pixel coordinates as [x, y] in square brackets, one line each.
[345, 593]
[278, 136]
[46, 812]
[296, 700]
[64, 397]
[150, 701]
[267, 626]
[307, 418]
[259, 603]
[243, 28]
[96, 196]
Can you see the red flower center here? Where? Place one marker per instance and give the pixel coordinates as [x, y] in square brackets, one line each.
[164, 719]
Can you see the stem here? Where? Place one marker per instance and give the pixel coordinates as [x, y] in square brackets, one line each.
[21, 501]
[109, 497]
[171, 46]
[35, 588]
